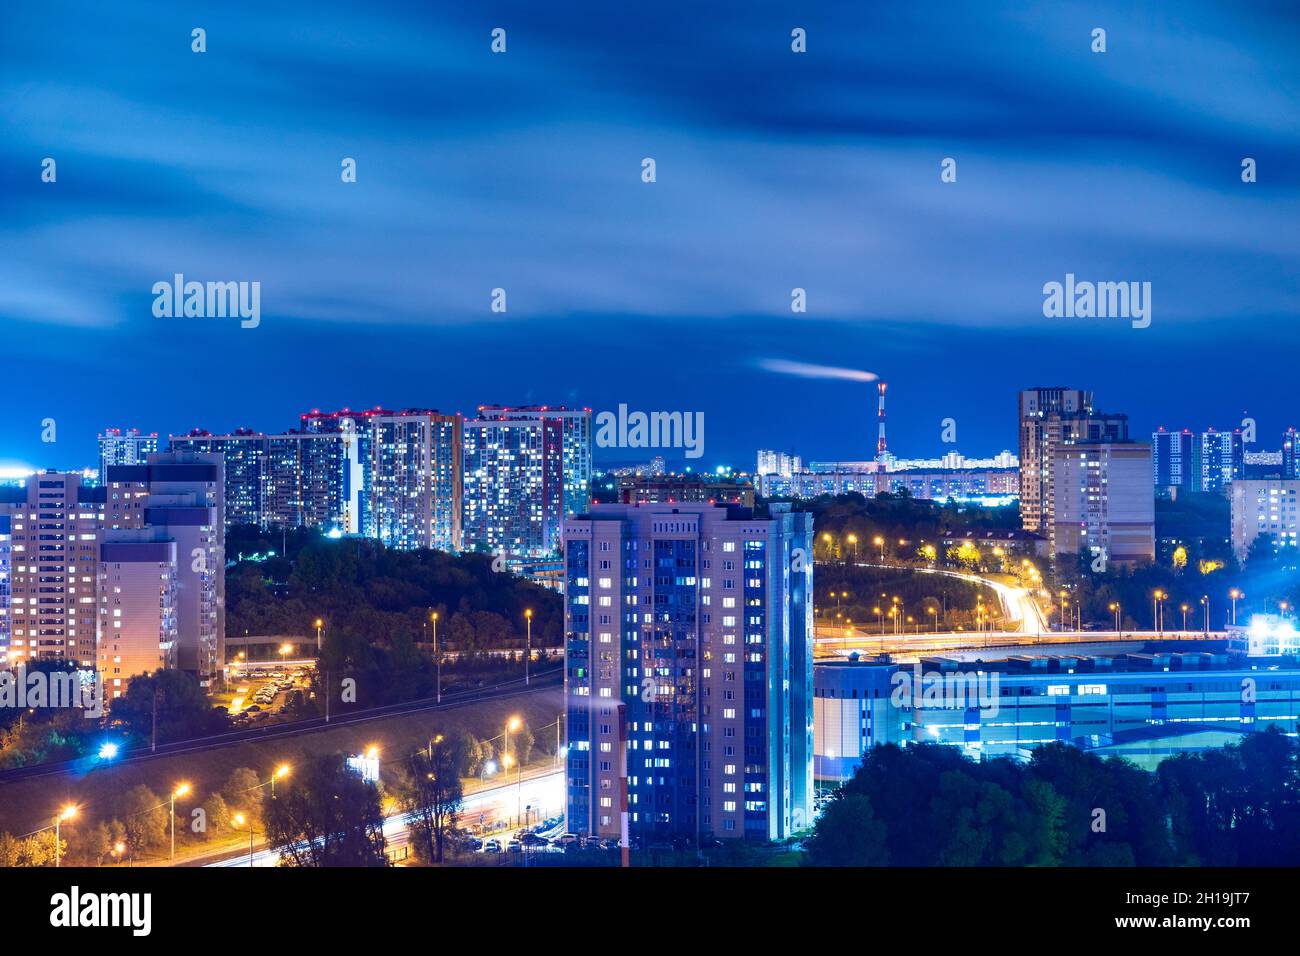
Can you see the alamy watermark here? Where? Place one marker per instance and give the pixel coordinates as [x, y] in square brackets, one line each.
[66, 690]
[651, 430]
[953, 690]
[1101, 300]
[210, 300]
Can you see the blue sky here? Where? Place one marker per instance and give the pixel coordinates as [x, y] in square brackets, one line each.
[522, 171]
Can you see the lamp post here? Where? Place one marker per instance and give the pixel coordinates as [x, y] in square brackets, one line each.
[1185, 608]
[880, 543]
[67, 813]
[934, 617]
[853, 540]
[528, 648]
[279, 773]
[437, 653]
[1235, 594]
[319, 625]
[1205, 602]
[1115, 609]
[240, 820]
[179, 791]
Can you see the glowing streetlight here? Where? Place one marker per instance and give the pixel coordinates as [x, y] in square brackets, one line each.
[879, 542]
[433, 616]
[319, 625]
[179, 791]
[528, 648]
[240, 820]
[853, 540]
[279, 773]
[67, 813]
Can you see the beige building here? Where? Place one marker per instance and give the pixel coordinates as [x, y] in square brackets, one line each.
[1104, 501]
[137, 607]
[1269, 506]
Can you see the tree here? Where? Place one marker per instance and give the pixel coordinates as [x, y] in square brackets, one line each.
[848, 834]
[433, 799]
[183, 709]
[329, 817]
[144, 818]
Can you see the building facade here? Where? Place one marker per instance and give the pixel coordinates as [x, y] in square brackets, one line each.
[125, 447]
[1265, 507]
[1144, 704]
[1104, 501]
[413, 479]
[137, 607]
[179, 498]
[688, 672]
[514, 487]
[55, 523]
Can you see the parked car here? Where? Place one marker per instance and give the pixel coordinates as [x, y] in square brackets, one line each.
[492, 846]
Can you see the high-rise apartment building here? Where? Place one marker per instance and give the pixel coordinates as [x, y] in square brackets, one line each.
[1049, 418]
[55, 524]
[575, 444]
[1175, 459]
[1265, 507]
[6, 544]
[514, 487]
[179, 496]
[125, 447]
[413, 478]
[288, 480]
[1104, 501]
[138, 629]
[1040, 411]
[688, 675]
[1223, 460]
[1291, 453]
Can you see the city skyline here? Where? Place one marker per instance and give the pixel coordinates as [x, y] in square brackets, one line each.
[825, 177]
[82, 452]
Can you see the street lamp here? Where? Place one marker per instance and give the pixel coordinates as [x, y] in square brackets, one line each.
[119, 848]
[437, 653]
[934, 617]
[240, 820]
[67, 813]
[1235, 594]
[853, 540]
[280, 773]
[528, 648]
[285, 650]
[880, 620]
[880, 543]
[1205, 602]
[1114, 607]
[1185, 608]
[319, 625]
[1156, 598]
[181, 790]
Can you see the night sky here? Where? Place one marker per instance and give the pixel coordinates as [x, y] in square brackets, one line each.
[523, 171]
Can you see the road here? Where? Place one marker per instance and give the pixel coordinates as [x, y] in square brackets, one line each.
[543, 791]
[541, 679]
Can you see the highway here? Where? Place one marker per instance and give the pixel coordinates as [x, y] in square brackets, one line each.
[1019, 607]
[544, 792]
[541, 679]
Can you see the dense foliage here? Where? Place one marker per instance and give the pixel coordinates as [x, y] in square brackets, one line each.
[929, 805]
[360, 586]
